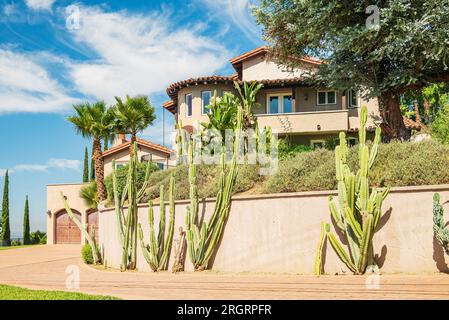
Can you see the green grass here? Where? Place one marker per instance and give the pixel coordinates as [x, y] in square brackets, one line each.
[19, 247]
[16, 293]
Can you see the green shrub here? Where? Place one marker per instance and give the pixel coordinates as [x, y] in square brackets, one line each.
[208, 178]
[398, 164]
[86, 254]
[287, 150]
[38, 237]
[121, 178]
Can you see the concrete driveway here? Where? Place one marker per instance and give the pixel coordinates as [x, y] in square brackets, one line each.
[44, 267]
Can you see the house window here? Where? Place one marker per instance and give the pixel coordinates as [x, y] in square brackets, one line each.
[281, 103]
[160, 166]
[120, 164]
[205, 98]
[352, 99]
[317, 144]
[325, 97]
[189, 106]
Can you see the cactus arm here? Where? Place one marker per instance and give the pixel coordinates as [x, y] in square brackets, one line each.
[365, 244]
[161, 232]
[82, 228]
[319, 252]
[353, 223]
[335, 214]
[340, 251]
[118, 209]
[146, 253]
[171, 226]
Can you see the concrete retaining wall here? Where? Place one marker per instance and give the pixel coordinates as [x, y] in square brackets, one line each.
[278, 233]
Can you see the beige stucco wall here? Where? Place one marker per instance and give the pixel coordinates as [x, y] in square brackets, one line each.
[279, 233]
[260, 67]
[124, 157]
[197, 116]
[306, 122]
[55, 205]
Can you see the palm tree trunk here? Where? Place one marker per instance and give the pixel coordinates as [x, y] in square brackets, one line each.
[99, 170]
[133, 139]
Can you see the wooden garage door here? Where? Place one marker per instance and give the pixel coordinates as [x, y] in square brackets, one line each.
[66, 231]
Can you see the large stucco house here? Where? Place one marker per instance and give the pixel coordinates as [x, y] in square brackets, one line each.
[307, 115]
[60, 229]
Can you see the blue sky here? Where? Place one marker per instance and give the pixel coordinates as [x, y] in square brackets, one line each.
[54, 53]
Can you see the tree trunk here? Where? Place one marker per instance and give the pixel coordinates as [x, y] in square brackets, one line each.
[133, 139]
[417, 116]
[393, 123]
[427, 111]
[99, 171]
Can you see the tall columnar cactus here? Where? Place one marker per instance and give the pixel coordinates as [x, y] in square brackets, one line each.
[203, 237]
[439, 226]
[359, 210]
[158, 252]
[127, 222]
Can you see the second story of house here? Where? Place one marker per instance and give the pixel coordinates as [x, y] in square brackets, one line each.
[146, 151]
[286, 103]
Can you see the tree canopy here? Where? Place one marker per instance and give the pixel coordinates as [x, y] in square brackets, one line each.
[380, 51]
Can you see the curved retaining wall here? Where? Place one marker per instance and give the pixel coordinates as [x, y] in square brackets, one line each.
[278, 233]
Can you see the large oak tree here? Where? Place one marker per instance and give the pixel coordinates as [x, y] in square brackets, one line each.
[406, 48]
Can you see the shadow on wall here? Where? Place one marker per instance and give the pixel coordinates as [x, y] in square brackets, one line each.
[439, 257]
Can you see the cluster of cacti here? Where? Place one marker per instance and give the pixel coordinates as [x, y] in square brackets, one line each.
[83, 228]
[127, 223]
[203, 237]
[157, 253]
[359, 210]
[439, 226]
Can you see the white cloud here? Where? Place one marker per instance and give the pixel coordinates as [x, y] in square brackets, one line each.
[2, 172]
[26, 86]
[140, 54]
[9, 9]
[39, 4]
[239, 13]
[62, 164]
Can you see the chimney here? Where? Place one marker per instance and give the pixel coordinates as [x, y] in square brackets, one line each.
[121, 138]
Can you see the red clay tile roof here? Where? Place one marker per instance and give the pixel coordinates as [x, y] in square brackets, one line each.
[140, 142]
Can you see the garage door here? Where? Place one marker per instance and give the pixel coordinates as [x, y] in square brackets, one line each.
[66, 231]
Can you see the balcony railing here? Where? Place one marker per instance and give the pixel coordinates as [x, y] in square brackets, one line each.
[305, 122]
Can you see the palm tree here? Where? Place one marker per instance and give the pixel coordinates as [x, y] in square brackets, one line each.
[133, 115]
[95, 121]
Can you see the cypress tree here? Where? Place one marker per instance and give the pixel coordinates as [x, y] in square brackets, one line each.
[5, 235]
[26, 224]
[86, 166]
[92, 167]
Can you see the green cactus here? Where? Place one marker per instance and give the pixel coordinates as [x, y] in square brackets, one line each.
[83, 228]
[203, 237]
[439, 226]
[126, 223]
[359, 211]
[158, 252]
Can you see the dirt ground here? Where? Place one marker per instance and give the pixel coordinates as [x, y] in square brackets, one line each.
[59, 268]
